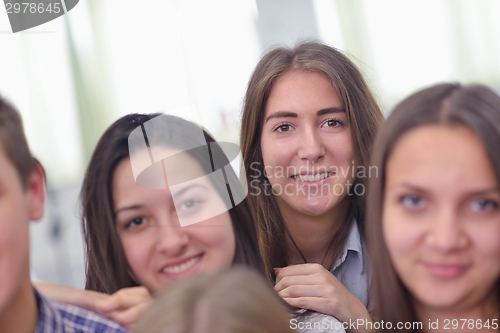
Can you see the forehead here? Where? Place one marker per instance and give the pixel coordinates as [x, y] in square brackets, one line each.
[297, 90]
[440, 155]
[178, 170]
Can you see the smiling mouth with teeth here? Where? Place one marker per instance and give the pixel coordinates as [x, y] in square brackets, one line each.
[182, 267]
[313, 178]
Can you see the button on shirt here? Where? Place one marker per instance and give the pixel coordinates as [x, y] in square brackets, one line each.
[57, 317]
[352, 267]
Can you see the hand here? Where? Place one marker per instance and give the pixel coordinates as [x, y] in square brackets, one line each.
[87, 299]
[312, 287]
[126, 305]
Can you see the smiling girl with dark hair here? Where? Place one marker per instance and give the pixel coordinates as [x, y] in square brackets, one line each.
[135, 236]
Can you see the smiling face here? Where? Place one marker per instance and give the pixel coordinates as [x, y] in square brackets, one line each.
[157, 248]
[441, 218]
[306, 144]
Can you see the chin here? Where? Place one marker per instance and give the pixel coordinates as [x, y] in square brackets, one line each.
[442, 298]
[315, 210]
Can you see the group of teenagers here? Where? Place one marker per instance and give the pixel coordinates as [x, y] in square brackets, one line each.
[346, 221]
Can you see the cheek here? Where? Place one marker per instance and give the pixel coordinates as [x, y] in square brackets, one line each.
[265, 148]
[135, 252]
[340, 147]
[486, 241]
[277, 153]
[219, 243]
[400, 237]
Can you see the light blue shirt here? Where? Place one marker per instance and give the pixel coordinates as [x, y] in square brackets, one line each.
[352, 268]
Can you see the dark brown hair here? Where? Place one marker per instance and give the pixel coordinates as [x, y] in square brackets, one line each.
[107, 269]
[232, 301]
[363, 115]
[475, 107]
[13, 141]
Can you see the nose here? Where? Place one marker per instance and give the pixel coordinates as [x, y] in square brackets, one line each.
[447, 233]
[310, 145]
[171, 239]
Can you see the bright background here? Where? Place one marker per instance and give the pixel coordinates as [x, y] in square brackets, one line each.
[72, 77]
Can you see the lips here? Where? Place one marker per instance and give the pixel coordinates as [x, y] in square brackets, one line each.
[181, 266]
[446, 270]
[313, 177]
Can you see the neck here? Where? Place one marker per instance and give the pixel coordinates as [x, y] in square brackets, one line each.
[21, 314]
[311, 233]
[439, 320]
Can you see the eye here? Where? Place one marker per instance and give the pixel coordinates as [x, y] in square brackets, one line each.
[484, 205]
[333, 122]
[413, 202]
[190, 204]
[282, 128]
[135, 222]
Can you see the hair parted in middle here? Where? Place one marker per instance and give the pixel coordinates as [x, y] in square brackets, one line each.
[475, 107]
[363, 115]
[107, 269]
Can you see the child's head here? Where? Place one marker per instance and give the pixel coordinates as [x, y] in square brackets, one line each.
[21, 200]
[133, 233]
[13, 142]
[434, 220]
[234, 300]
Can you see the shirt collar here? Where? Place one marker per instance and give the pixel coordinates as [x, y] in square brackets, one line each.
[49, 319]
[353, 244]
[354, 240]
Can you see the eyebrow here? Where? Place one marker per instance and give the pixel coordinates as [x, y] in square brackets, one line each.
[407, 185]
[421, 190]
[132, 207]
[288, 114]
[485, 191]
[182, 191]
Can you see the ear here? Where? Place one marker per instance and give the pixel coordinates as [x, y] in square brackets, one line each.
[36, 193]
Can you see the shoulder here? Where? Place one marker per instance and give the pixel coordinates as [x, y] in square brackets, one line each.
[76, 319]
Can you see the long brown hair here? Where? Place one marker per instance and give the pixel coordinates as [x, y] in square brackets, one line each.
[106, 266]
[364, 117]
[475, 107]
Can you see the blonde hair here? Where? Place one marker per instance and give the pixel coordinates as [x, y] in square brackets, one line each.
[235, 300]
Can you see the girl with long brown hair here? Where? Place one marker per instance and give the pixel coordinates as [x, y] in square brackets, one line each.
[142, 232]
[308, 124]
[434, 222]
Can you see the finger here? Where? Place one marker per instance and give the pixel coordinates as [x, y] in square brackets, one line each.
[318, 304]
[302, 269]
[296, 291]
[322, 277]
[125, 298]
[130, 316]
[287, 281]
